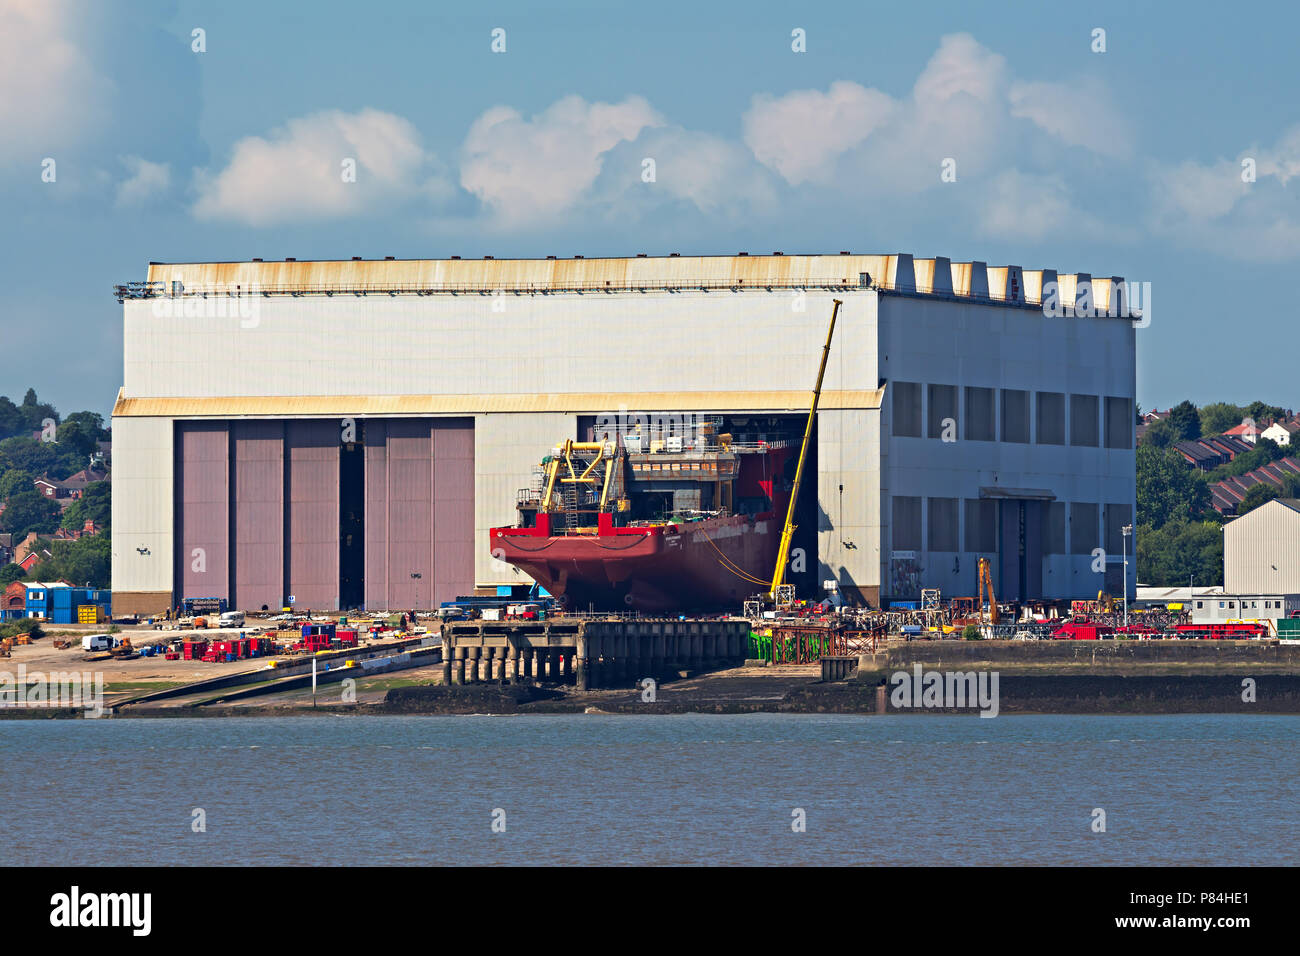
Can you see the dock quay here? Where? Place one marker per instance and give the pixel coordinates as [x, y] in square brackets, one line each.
[589, 654]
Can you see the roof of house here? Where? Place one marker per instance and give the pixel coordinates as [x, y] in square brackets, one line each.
[1227, 494]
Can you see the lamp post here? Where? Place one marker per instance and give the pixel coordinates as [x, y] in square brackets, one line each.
[1124, 533]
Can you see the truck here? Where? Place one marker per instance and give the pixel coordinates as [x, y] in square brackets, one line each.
[97, 642]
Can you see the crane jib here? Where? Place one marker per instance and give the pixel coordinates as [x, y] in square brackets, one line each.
[787, 533]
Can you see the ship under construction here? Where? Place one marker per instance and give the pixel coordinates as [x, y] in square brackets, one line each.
[353, 433]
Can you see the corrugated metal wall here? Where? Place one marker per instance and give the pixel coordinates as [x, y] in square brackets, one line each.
[273, 488]
[312, 517]
[453, 509]
[257, 500]
[419, 511]
[202, 518]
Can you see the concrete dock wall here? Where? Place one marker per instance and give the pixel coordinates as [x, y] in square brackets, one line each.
[589, 654]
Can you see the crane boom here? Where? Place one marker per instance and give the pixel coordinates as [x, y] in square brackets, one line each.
[787, 533]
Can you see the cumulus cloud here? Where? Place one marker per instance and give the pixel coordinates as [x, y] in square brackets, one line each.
[1080, 113]
[1214, 206]
[801, 134]
[716, 176]
[301, 171]
[1021, 205]
[525, 170]
[146, 182]
[864, 138]
[53, 98]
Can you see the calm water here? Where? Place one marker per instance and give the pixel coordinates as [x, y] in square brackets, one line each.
[652, 790]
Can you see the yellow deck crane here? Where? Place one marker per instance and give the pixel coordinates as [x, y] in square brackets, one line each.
[986, 587]
[787, 533]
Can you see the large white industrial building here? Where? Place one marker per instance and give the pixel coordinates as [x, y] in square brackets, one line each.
[346, 433]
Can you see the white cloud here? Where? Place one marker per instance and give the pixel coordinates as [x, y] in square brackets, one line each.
[297, 174]
[960, 69]
[146, 182]
[866, 141]
[1079, 113]
[52, 98]
[716, 175]
[1029, 206]
[1210, 206]
[801, 134]
[526, 170]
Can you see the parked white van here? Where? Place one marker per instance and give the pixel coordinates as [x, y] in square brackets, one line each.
[231, 619]
[96, 642]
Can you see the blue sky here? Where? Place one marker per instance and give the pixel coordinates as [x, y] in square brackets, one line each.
[1124, 162]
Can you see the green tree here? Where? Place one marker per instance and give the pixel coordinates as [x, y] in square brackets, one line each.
[91, 422]
[1218, 417]
[11, 573]
[11, 419]
[1185, 421]
[96, 505]
[84, 561]
[33, 457]
[27, 511]
[1256, 496]
[1262, 412]
[35, 412]
[1180, 551]
[14, 480]
[1167, 489]
[1159, 434]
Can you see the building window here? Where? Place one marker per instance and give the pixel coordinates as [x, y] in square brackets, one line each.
[1115, 518]
[981, 525]
[942, 401]
[1051, 418]
[1015, 416]
[1083, 527]
[941, 529]
[907, 523]
[1054, 527]
[980, 424]
[1120, 427]
[1200, 604]
[907, 409]
[1083, 421]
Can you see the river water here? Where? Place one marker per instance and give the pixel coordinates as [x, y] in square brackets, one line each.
[593, 789]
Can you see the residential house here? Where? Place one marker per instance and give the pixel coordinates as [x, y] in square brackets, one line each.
[87, 529]
[1226, 495]
[1281, 432]
[72, 487]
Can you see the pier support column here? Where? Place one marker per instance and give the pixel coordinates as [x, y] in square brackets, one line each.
[697, 651]
[634, 661]
[446, 662]
[471, 664]
[460, 665]
[489, 660]
[512, 661]
[566, 669]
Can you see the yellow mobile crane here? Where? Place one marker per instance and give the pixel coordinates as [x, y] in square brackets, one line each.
[787, 533]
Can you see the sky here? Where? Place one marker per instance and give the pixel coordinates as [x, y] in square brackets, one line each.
[1152, 141]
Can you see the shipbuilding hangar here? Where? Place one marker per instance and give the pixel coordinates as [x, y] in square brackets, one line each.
[349, 433]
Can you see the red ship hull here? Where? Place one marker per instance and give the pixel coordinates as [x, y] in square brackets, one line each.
[677, 567]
